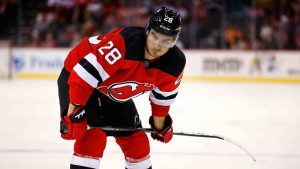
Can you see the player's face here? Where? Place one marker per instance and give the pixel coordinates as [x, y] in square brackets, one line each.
[157, 44]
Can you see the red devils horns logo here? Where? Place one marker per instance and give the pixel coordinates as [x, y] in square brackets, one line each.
[125, 91]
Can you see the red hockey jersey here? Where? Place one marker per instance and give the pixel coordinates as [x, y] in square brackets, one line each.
[114, 64]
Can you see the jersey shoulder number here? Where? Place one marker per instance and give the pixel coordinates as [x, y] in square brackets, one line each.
[107, 49]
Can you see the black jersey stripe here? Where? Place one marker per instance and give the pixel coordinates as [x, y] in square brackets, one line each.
[90, 69]
[161, 97]
[79, 167]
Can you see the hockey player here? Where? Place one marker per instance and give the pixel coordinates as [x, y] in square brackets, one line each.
[103, 73]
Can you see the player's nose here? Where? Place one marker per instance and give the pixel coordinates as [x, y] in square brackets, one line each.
[157, 45]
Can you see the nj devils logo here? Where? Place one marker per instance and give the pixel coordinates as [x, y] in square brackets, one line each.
[125, 91]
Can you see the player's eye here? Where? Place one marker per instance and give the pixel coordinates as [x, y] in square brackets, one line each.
[155, 37]
[167, 42]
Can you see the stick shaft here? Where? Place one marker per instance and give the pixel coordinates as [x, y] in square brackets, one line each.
[148, 130]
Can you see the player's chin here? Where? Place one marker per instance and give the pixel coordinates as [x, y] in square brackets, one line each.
[157, 54]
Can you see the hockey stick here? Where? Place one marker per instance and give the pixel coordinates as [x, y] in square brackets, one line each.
[148, 130]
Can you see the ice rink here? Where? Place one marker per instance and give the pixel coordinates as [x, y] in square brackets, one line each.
[264, 118]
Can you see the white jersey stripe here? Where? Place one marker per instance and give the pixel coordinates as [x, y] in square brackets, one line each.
[161, 102]
[91, 58]
[165, 94]
[86, 76]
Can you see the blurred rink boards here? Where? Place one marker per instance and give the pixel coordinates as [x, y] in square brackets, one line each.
[250, 97]
[216, 65]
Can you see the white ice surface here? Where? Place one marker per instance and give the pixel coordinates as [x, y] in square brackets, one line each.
[264, 118]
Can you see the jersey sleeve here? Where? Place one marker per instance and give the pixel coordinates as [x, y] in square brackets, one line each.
[95, 67]
[163, 95]
[80, 50]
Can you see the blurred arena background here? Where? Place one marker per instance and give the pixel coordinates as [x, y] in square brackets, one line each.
[207, 24]
[228, 38]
